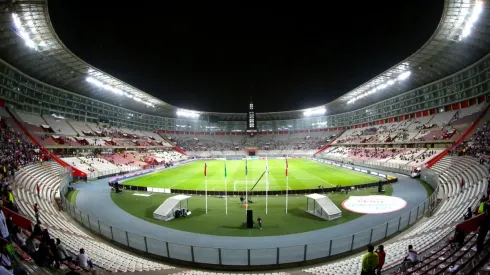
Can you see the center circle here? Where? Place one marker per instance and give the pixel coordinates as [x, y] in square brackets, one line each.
[374, 204]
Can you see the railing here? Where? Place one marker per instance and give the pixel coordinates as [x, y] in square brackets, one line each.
[109, 172]
[374, 164]
[243, 256]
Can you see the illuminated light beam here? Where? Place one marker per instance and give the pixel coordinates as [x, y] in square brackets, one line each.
[315, 111]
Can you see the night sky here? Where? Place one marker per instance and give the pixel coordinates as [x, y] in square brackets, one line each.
[217, 56]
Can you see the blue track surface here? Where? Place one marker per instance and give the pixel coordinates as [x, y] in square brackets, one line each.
[94, 199]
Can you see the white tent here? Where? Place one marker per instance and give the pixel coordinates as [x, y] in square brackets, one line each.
[321, 206]
[167, 209]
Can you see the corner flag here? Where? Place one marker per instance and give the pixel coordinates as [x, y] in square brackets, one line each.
[226, 195]
[286, 167]
[287, 183]
[206, 184]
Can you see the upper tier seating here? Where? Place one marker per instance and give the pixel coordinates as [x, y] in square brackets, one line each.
[60, 126]
[81, 128]
[97, 167]
[414, 157]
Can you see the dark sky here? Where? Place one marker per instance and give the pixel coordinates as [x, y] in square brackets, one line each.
[216, 56]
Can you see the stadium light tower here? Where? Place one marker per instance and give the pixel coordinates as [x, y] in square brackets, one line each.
[251, 124]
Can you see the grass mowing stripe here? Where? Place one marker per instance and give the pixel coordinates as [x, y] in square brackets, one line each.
[303, 174]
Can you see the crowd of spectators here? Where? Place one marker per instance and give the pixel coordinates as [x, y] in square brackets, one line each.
[17, 151]
[478, 145]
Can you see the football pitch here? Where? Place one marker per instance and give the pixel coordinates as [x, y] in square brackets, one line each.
[303, 174]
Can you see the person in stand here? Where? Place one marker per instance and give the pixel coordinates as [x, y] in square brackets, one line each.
[83, 260]
[381, 258]
[462, 185]
[3, 225]
[259, 220]
[370, 261]
[468, 214]
[36, 212]
[38, 189]
[411, 259]
[458, 239]
[482, 232]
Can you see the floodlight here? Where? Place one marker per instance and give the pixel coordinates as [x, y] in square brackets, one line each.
[315, 111]
[402, 76]
[115, 90]
[477, 9]
[187, 113]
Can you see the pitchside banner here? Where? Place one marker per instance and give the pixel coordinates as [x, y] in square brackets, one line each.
[361, 170]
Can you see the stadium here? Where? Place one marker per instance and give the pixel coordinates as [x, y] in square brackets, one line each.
[147, 187]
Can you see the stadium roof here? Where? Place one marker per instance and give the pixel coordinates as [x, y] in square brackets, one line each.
[29, 43]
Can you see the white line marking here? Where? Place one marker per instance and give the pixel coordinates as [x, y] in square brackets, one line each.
[177, 183]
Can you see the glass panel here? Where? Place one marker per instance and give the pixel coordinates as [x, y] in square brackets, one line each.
[291, 254]
[378, 233]
[362, 238]
[157, 247]
[265, 256]
[234, 256]
[119, 236]
[105, 230]
[136, 241]
[180, 251]
[341, 245]
[206, 255]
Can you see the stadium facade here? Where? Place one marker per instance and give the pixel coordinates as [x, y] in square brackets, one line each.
[40, 75]
[41, 78]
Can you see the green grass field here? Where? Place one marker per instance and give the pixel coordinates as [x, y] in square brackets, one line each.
[216, 222]
[303, 174]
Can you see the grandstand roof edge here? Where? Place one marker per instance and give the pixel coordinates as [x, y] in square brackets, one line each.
[440, 56]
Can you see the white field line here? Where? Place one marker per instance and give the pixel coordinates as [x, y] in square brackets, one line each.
[324, 181]
[177, 183]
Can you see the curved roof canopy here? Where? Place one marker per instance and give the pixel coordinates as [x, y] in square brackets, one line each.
[29, 42]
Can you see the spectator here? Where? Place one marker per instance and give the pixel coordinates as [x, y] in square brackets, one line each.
[482, 233]
[83, 260]
[45, 236]
[381, 258]
[458, 238]
[31, 245]
[411, 259]
[10, 224]
[36, 212]
[20, 238]
[370, 261]
[61, 253]
[468, 214]
[3, 225]
[9, 263]
[37, 232]
[38, 189]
